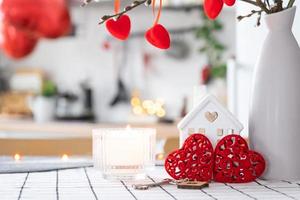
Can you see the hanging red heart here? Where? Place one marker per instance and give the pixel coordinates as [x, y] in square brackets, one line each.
[193, 161]
[229, 2]
[119, 28]
[158, 36]
[213, 8]
[235, 163]
[16, 43]
[44, 18]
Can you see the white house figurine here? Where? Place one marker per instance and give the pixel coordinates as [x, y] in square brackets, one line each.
[210, 118]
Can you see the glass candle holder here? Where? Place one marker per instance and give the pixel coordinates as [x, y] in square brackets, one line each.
[124, 153]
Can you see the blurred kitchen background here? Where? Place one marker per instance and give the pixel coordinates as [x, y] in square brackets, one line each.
[52, 98]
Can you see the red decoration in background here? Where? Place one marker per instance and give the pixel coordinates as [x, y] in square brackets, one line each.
[193, 161]
[44, 18]
[213, 8]
[231, 162]
[106, 45]
[27, 20]
[158, 35]
[235, 163]
[16, 43]
[119, 28]
[205, 74]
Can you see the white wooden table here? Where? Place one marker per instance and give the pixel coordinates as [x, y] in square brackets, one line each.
[86, 184]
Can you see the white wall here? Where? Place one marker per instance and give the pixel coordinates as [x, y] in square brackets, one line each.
[71, 60]
[249, 42]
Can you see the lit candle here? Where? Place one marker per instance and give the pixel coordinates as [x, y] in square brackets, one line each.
[65, 157]
[17, 157]
[121, 153]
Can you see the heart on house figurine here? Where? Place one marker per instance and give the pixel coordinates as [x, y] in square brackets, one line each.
[235, 163]
[193, 161]
[211, 116]
[158, 36]
[119, 28]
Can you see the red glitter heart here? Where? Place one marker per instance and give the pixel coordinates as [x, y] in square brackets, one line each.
[235, 163]
[158, 36]
[213, 8]
[119, 28]
[193, 161]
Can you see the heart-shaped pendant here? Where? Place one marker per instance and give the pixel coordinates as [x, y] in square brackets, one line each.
[229, 2]
[158, 36]
[211, 116]
[119, 28]
[193, 161]
[213, 8]
[235, 163]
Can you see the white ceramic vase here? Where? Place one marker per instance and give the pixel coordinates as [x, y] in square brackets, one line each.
[42, 108]
[274, 124]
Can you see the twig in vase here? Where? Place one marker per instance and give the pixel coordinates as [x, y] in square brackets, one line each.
[263, 6]
[127, 8]
[86, 2]
[291, 3]
[241, 17]
[258, 3]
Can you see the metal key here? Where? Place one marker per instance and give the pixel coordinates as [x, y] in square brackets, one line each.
[150, 185]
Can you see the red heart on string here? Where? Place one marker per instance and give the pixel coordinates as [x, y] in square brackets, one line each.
[193, 161]
[119, 28]
[229, 2]
[158, 36]
[16, 43]
[44, 18]
[235, 163]
[213, 8]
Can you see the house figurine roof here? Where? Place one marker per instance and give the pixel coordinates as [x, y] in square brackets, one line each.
[201, 105]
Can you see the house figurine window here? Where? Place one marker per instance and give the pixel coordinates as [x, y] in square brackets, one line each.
[211, 118]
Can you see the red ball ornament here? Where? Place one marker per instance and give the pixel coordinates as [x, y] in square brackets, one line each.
[235, 163]
[213, 8]
[119, 28]
[193, 161]
[158, 36]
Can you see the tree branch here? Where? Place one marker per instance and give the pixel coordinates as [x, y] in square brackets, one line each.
[127, 9]
[251, 2]
[263, 6]
[291, 3]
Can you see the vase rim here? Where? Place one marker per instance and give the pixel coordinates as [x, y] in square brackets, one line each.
[283, 11]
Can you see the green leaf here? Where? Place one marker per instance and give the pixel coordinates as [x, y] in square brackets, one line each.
[48, 89]
[219, 71]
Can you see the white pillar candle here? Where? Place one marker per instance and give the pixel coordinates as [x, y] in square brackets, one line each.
[126, 152]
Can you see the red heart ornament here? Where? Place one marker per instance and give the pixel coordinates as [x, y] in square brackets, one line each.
[229, 2]
[43, 18]
[193, 161]
[235, 163]
[213, 8]
[16, 43]
[119, 28]
[158, 36]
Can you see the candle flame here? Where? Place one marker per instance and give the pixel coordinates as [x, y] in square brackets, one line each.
[65, 157]
[17, 157]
